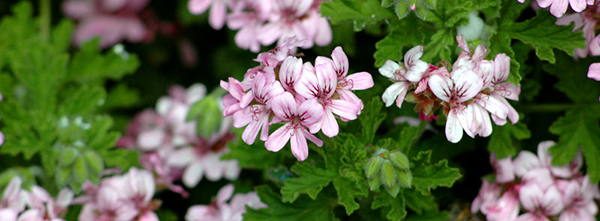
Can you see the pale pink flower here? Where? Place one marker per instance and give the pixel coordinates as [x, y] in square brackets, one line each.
[320, 83]
[256, 116]
[204, 159]
[225, 207]
[247, 17]
[461, 86]
[43, 207]
[504, 169]
[13, 199]
[527, 161]
[539, 202]
[559, 7]
[297, 118]
[506, 208]
[297, 18]
[125, 197]
[346, 83]
[218, 10]
[586, 22]
[237, 97]
[578, 198]
[111, 20]
[488, 194]
[403, 75]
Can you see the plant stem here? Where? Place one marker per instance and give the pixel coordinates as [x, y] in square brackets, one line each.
[45, 18]
[546, 107]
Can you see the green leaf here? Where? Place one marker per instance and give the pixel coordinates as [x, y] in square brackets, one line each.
[361, 13]
[310, 180]
[301, 210]
[544, 35]
[391, 47]
[504, 141]
[428, 175]
[419, 202]
[438, 216]
[394, 208]
[253, 156]
[371, 118]
[89, 65]
[578, 130]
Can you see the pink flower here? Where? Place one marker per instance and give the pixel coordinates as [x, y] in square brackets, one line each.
[204, 160]
[218, 10]
[540, 203]
[527, 161]
[504, 169]
[559, 7]
[248, 16]
[35, 205]
[506, 208]
[404, 75]
[296, 18]
[320, 83]
[126, 197]
[111, 20]
[348, 83]
[220, 209]
[585, 21]
[256, 116]
[462, 85]
[488, 194]
[297, 119]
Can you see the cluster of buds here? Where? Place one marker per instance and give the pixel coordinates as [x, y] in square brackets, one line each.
[466, 94]
[226, 206]
[263, 22]
[392, 169]
[120, 197]
[170, 144]
[303, 97]
[532, 184]
[35, 205]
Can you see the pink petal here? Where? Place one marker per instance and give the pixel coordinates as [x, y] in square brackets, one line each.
[552, 201]
[360, 81]
[311, 112]
[224, 194]
[308, 83]
[559, 7]
[467, 82]
[323, 35]
[329, 124]
[326, 77]
[279, 138]
[594, 71]
[284, 105]
[454, 131]
[340, 61]
[299, 145]
[441, 86]
[290, 72]
[578, 5]
[525, 162]
[344, 109]
[198, 6]
[217, 14]
[531, 196]
[193, 174]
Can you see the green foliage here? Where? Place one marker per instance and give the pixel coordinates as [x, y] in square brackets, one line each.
[52, 107]
[428, 175]
[504, 141]
[361, 13]
[301, 210]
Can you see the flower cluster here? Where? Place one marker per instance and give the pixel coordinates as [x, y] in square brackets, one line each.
[121, 197]
[559, 7]
[475, 89]
[111, 20]
[37, 204]
[263, 22]
[545, 192]
[586, 21]
[305, 98]
[220, 209]
[171, 147]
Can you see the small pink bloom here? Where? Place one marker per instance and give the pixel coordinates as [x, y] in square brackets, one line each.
[226, 206]
[348, 83]
[112, 21]
[559, 7]
[504, 169]
[297, 119]
[412, 71]
[463, 85]
[319, 83]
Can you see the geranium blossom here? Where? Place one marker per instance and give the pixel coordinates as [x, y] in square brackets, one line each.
[304, 98]
[263, 22]
[111, 20]
[226, 206]
[559, 7]
[473, 90]
[36, 204]
[529, 183]
[171, 148]
[121, 197]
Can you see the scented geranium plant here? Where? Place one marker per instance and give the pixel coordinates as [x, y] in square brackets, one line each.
[230, 110]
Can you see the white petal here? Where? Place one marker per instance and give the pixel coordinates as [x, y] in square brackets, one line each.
[389, 69]
[454, 131]
[391, 93]
[441, 86]
[193, 174]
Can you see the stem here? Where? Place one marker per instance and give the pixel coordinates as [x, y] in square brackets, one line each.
[546, 107]
[45, 18]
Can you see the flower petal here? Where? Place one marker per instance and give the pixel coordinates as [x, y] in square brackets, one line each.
[389, 69]
[441, 86]
[454, 131]
[279, 138]
[361, 81]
